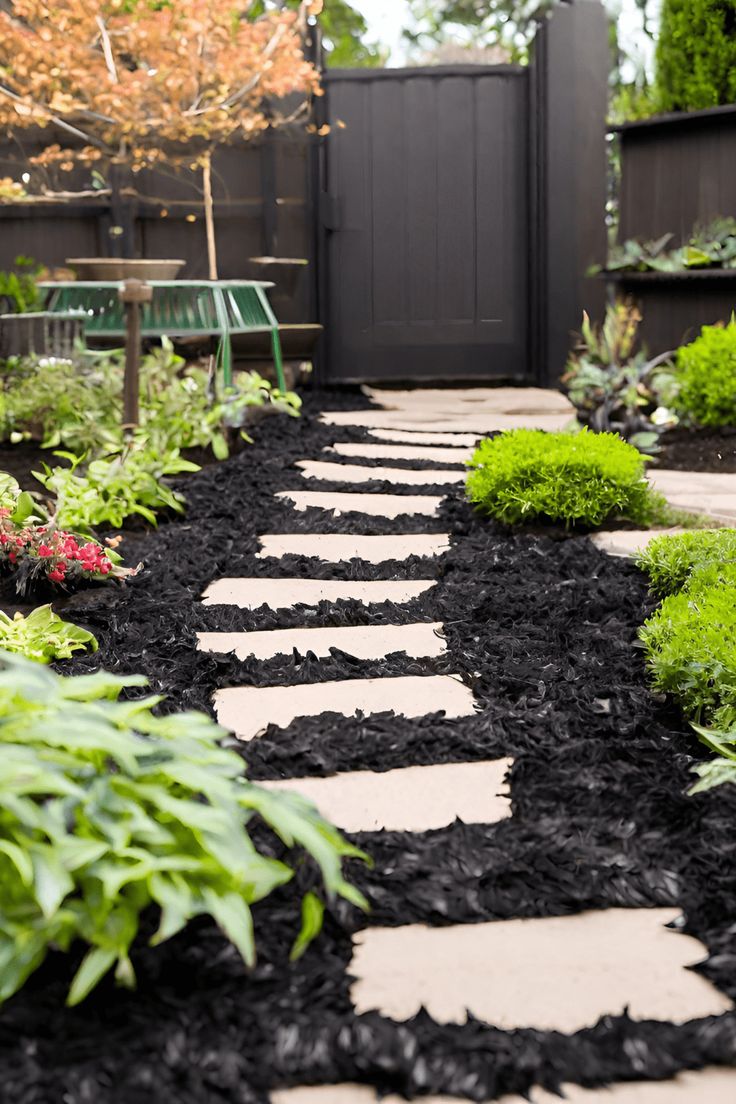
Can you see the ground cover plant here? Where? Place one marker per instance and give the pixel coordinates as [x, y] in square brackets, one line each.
[107, 809]
[578, 479]
[43, 636]
[705, 392]
[615, 386]
[671, 559]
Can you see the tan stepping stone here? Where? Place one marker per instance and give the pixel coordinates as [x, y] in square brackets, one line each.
[283, 593]
[377, 505]
[247, 710]
[417, 437]
[629, 542]
[431, 422]
[713, 1085]
[362, 641]
[554, 974]
[359, 473]
[411, 799]
[712, 493]
[435, 455]
[340, 547]
[500, 400]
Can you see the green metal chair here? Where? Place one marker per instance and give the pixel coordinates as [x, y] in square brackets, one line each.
[179, 308]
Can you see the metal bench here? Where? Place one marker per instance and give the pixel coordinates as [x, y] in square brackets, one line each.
[179, 308]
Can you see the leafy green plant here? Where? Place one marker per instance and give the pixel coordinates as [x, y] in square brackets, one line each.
[711, 246]
[114, 488]
[43, 636]
[671, 559]
[690, 644]
[584, 479]
[717, 771]
[19, 291]
[696, 55]
[706, 377]
[614, 386]
[107, 809]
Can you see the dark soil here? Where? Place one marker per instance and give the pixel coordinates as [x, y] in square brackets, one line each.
[704, 450]
[544, 631]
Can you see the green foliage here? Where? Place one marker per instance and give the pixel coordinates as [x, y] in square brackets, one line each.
[710, 246]
[114, 488]
[722, 769]
[696, 54]
[670, 560]
[690, 644]
[43, 636]
[706, 377]
[19, 293]
[582, 479]
[344, 30]
[614, 386]
[107, 809]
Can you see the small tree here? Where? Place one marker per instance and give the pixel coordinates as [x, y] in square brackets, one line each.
[696, 54]
[141, 82]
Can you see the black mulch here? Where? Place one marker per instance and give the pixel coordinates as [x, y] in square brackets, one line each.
[544, 631]
[707, 450]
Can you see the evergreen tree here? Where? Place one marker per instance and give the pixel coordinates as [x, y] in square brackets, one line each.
[696, 55]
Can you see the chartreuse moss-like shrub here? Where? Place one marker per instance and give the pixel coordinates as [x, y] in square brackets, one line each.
[107, 809]
[690, 645]
[670, 560]
[696, 55]
[706, 377]
[582, 478]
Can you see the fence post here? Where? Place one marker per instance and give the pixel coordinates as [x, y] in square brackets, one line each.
[569, 97]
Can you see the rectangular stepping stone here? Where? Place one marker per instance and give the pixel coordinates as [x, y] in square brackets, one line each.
[556, 974]
[411, 799]
[377, 505]
[248, 710]
[362, 641]
[628, 542]
[713, 1085]
[431, 421]
[417, 437]
[358, 473]
[712, 493]
[500, 400]
[437, 455]
[341, 547]
[282, 593]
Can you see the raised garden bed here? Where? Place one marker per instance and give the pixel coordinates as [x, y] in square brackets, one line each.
[544, 633]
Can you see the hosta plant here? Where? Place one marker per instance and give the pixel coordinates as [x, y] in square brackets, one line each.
[706, 378]
[43, 636]
[614, 386]
[107, 809]
[584, 478]
[669, 560]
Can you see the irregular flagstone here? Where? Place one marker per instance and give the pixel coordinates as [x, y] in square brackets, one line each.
[410, 799]
[367, 450]
[248, 710]
[500, 400]
[417, 437]
[628, 542]
[713, 1085]
[377, 505]
[283, 593]
[419, 641]
[358, 473]
[712, 493]
[437, 421]
[340, 547]
[513, 973]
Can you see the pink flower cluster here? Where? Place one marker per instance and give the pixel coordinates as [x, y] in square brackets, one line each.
[52, 553]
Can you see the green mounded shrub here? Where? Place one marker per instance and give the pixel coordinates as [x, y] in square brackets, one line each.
[706, 377]
[583, 478]
[690, 645]
[696, 55]
[670, 560]
[107, 809]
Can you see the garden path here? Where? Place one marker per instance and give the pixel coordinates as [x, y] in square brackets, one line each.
[511, 973]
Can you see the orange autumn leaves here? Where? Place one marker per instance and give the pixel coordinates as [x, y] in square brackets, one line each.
[142, 80]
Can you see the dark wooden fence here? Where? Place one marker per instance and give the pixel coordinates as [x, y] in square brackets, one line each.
[677, 172]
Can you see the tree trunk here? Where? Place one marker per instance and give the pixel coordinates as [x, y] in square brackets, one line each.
[209, 215]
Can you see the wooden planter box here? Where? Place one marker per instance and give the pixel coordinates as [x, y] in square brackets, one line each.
[39, 334]
[675, 305]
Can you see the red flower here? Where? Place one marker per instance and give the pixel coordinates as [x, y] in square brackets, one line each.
[57, 575]
[44, 550]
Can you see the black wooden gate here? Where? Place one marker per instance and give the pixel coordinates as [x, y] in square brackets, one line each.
[440, 245]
